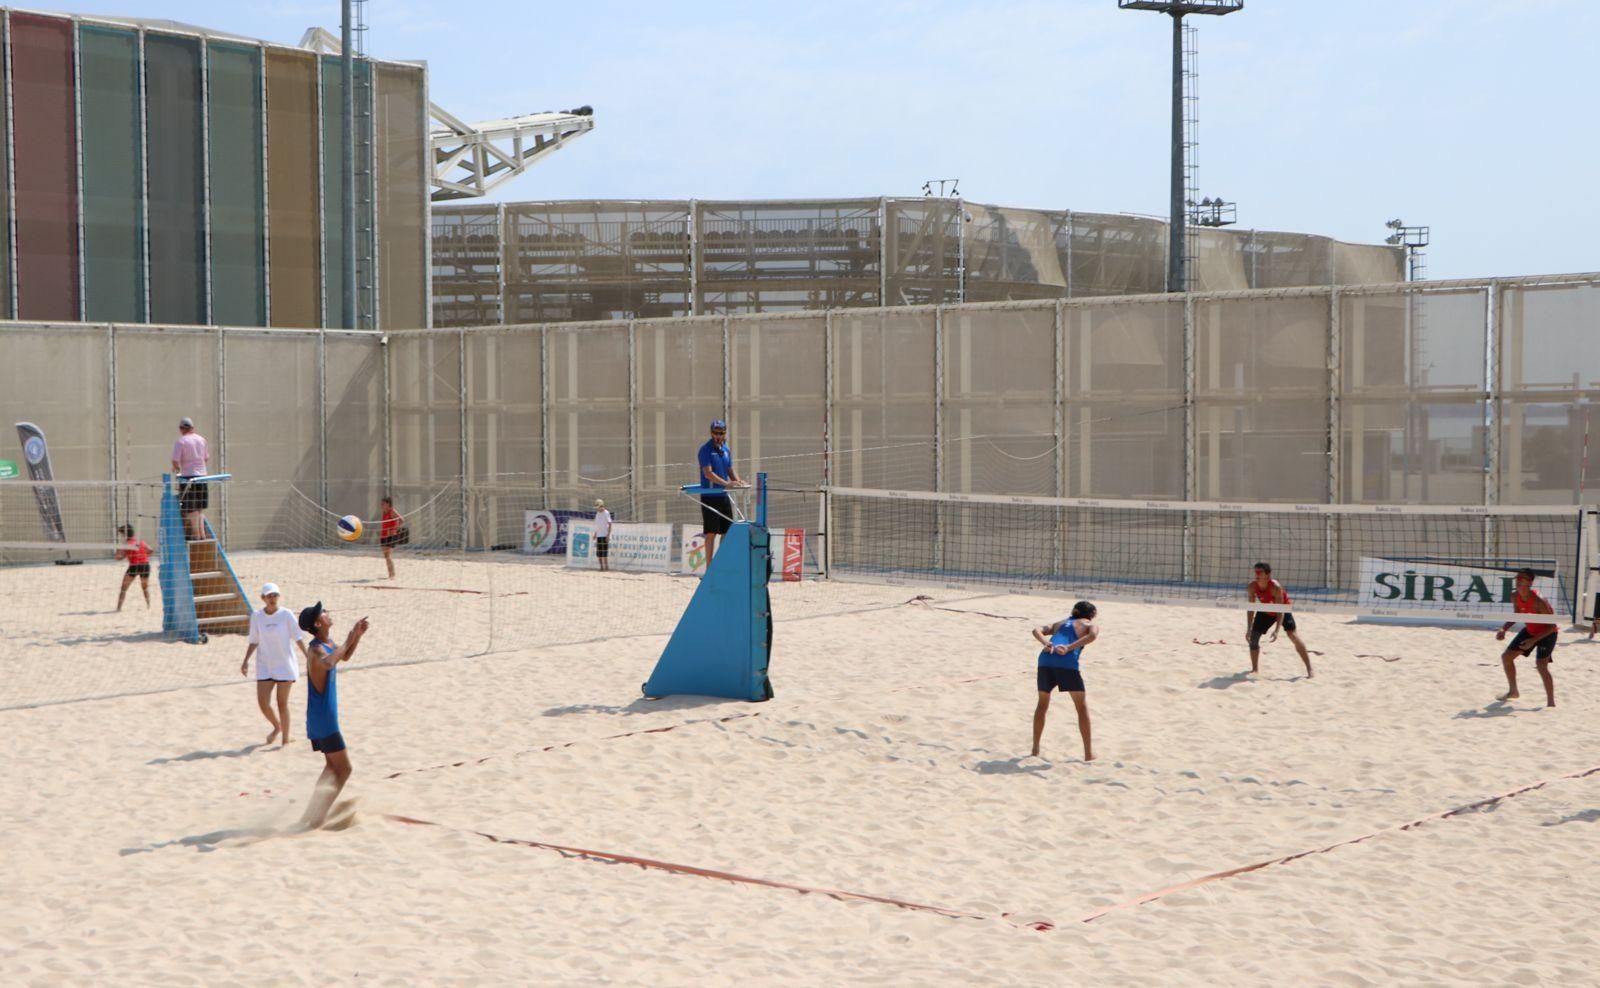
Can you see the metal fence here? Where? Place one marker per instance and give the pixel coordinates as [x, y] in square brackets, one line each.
[617, 259]
[1477, 392]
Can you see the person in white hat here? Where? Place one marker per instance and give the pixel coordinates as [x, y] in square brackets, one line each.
[602, 535]
[275, 632]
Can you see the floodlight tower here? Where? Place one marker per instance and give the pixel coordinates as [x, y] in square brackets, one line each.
[1177, 260]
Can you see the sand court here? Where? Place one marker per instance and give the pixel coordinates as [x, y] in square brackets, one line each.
[149, 838]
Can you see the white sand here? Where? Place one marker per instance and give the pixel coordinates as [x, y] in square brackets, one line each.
[128, 823]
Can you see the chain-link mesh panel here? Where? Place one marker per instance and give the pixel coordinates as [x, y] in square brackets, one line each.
[999, 400]
[163, 376]
[1122, 388]
[883, 421]
[505, 421]
[272, 397]
[679, 371]
[779, 384]
[1117, 255]
[577, 261]
[1013, 253]
[354, 416]
[924, 251]
[1550, 382]
[59, 378]
[1220, 261]
[588, 423]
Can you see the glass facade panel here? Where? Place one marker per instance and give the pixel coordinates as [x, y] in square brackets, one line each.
[335, 273]
[113, 193]
[293, 217]
[44, 128]
[177, 181]
[238, 217]
[402, 153]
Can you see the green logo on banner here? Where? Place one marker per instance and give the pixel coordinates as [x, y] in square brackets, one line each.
[8, 469]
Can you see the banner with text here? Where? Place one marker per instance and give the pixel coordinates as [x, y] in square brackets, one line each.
[632, 546]
[1410, 588]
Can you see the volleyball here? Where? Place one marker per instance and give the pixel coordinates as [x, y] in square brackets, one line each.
[349, 528]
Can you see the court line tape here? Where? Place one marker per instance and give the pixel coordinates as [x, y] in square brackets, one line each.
[1398, 828]
[652, 864]
[481, 593]
[569, 744]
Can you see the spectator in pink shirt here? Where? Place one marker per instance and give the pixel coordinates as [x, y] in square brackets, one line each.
[189, 457]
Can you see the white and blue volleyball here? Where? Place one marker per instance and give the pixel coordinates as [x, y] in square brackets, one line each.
[350, 528]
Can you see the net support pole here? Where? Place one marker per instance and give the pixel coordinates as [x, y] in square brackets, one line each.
[830, 394]
[222, 428]
[1491, 414]
[1059, 411]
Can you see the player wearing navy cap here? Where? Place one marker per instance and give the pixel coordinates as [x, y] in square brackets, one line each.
[716, 470]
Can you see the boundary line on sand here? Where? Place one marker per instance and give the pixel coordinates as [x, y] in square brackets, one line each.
[1040, 926]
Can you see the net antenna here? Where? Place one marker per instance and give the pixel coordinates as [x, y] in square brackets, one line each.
[1181, 196]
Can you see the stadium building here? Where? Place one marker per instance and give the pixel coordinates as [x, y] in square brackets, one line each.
[170, 174]
[533, 262]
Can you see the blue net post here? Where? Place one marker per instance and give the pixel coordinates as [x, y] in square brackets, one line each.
[761, 499]
[178, 618]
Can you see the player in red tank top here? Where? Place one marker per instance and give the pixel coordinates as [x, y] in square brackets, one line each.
[1539, 639]
[1265, 590]
[138, 556]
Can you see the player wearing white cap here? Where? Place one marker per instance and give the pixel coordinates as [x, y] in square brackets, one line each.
[274, 631]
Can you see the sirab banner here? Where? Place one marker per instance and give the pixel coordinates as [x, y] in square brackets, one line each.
[1408, 587]
[37, 454]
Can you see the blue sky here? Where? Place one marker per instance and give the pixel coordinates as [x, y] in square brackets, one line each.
[1476, 118]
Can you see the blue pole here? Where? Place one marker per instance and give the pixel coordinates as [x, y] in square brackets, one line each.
[761, 499]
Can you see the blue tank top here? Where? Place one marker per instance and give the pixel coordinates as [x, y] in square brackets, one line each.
[1064, 635]
[322, 708]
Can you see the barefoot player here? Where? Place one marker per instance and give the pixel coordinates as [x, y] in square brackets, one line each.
[1063, 642]
[322, 707]
[1265, 590]
[137, 553]
[273, 637]
[1533, 638]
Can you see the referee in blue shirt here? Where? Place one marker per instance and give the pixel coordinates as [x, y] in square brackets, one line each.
[716, 470]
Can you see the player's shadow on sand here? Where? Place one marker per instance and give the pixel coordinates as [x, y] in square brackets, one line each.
[1584, 816]
[203, 842]
[1499, 708]
[1010, 766]
[1223, 682]
[198, 756]
[641, 706]
[106, 639]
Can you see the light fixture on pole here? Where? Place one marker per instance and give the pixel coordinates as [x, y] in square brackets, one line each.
[1177, 256]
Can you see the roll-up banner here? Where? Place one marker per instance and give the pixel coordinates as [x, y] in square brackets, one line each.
[36, 453]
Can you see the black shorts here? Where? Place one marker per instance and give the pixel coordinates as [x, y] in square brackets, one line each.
[1263, 624]
[716, 512]
[138, 569]
[329, 745]
[1525, 645]
[400, 537]
[193, 496]
[602, 546]
[1056, 678]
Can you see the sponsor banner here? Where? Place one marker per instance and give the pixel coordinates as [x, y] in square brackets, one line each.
[632, 546]
[794, 552]
[545, 532]
[694, 549]
[37, 454]
[1404, 588]
[8, 469]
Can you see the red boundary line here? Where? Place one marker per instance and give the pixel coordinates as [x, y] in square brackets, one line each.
[1411, 825]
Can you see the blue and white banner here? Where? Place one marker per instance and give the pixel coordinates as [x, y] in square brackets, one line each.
[36, 453]
[545, 532]
[632, 546]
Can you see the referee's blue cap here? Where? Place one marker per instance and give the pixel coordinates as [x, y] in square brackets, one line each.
[718, 424]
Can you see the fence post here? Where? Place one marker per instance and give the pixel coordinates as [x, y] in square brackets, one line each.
[544, 411]
[1491, 394]
[694, 258]
[461, 371]
[1334, 439]
[1190, 427]
[938, 434]
[633, 415]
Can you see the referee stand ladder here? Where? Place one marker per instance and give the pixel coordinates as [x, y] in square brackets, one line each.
[200, 595]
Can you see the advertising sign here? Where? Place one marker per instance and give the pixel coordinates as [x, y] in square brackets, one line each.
[635, 547]
[794, 552]
[694, 550]
[1410, 588]
[546, 531]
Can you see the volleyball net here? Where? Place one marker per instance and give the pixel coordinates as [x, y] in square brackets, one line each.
[1396, 561]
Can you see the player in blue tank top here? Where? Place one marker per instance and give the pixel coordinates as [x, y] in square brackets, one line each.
[1063, 643]
[322, 707]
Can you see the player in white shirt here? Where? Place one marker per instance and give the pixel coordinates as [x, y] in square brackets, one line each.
[602, 535]
[275, 632]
